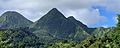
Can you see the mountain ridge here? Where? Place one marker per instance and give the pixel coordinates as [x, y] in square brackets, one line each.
[57, 25]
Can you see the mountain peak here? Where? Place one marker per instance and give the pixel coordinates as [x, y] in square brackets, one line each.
[13, 19]
[71, 17]
[11, 13]
[54, 11]
[52, 15]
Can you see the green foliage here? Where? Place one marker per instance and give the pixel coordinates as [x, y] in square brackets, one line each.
[63, 44]
[19, 38]
[118, 25]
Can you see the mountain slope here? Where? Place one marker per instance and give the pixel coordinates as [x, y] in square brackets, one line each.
[109, 40]
[12, 19]
[76, 22]
[58, 26]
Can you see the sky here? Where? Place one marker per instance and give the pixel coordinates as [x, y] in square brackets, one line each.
[93, 13]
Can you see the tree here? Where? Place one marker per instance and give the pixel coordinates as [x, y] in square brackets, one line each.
[118, 24]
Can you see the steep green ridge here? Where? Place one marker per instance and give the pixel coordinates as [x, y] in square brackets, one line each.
[58, 26]
[50, 23]
[12, 19]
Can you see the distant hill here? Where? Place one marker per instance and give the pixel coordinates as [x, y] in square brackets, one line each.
[98, 32]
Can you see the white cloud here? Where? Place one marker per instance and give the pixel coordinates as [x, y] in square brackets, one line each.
[87, 16]
[105, 26]
[80, 9]
[113, 5]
